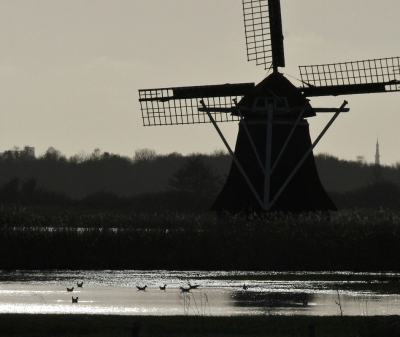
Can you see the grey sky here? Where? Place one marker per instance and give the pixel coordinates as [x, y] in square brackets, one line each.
[70, 70]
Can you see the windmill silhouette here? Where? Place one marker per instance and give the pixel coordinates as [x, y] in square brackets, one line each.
[273, 166]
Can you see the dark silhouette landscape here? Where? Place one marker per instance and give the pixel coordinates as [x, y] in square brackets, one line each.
[151, 183]
[104, 211]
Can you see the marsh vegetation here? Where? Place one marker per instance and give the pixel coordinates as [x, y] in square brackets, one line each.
[354, 240]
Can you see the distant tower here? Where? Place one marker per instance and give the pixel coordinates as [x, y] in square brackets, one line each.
[377, 153]
[377, 167]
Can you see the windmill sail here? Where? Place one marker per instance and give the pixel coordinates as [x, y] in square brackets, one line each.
[180, 105]
[263, 30]
[347, 78]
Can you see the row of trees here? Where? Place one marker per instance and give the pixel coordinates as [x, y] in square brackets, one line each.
[82, 175]
[148, 181]
[345, 175]
[192, 187]
[52, 154]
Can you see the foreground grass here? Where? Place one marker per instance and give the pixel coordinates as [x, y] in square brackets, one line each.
[98, 325]
[353, 240]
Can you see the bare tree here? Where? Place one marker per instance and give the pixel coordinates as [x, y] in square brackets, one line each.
[144, 155]
[96, 154]
[53, 154]
[198, 179]
[79, 158]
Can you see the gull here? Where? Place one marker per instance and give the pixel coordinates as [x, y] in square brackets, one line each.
[195, 286]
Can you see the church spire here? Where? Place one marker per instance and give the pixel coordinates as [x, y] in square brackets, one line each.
[377, 162]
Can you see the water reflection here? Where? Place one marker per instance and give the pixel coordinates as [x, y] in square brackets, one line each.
[273, 300]
[220, 293]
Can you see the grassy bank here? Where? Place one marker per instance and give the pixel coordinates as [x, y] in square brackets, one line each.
[350, 240]
[276, 326]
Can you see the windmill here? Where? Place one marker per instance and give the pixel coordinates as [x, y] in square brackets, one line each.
[273, 167]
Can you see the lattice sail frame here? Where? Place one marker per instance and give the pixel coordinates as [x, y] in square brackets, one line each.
[256, 27]
[385, 70]
[263, 31]
[181, 105]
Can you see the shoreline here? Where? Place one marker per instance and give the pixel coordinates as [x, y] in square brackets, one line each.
[113, 325]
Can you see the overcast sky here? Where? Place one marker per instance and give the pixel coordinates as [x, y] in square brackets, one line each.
[70, 70]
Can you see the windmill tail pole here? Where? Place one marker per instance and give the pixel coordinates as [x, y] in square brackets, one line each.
[246, 178]
[307, 154]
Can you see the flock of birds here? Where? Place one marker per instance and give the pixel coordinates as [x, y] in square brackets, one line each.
[183, 289]
[70, 290]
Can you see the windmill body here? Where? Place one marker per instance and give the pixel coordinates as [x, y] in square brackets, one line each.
[304, 192]
[273, 167]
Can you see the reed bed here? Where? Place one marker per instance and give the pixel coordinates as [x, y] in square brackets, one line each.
[354, 240]
[77, 217]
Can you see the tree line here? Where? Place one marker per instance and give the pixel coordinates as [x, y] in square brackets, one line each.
[153, 182]
[145, 182]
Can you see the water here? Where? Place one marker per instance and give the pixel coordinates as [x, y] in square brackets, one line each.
[220, 293]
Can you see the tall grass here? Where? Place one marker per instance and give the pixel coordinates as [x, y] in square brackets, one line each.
[69, 217]
[195, 303]
[357, 240]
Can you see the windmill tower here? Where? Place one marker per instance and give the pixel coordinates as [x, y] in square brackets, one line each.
[273, 167]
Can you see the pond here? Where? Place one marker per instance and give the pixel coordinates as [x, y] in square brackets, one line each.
[219, 293]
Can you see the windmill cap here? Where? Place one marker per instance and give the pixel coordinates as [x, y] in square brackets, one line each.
[279, 90]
